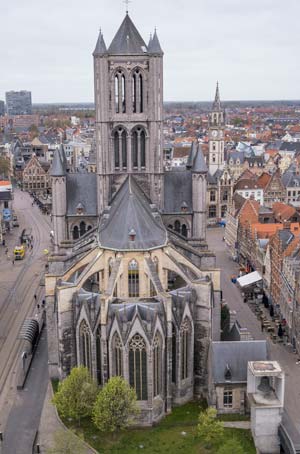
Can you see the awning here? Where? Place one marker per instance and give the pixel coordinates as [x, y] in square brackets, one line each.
[249, 279]
[29, 330]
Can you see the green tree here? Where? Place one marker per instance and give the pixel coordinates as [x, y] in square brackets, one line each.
[4, 166]
[34, 131]
[209, 428]
[115, 406]
[76, 394]
[65, 442]
[230, 447]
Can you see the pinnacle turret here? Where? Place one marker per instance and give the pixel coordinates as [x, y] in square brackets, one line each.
[154, 45]
[217, 102]
[100, 48]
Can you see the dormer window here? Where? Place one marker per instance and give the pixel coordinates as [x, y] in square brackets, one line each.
[227, 373]
[132, 235]
[79, 209]
[184, 207]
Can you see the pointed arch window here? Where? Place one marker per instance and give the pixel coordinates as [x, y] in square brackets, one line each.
[117, 355]
[82, 228]
[137, 92]
[138, 366]
[138, 148]
[98, 354]
[184, 230]
[120, 92]
[133, 279]
[120, 148]
[157, 365]
[177, 226]
[75, 232]
[85, 345]
[185, 348]
[174, 353]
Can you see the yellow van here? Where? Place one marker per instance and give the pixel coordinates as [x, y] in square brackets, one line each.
[19, 252]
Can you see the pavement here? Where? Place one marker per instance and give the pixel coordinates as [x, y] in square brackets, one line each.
[19, 282]
[247, 319]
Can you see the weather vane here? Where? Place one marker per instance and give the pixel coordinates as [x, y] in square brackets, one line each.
[127, 4]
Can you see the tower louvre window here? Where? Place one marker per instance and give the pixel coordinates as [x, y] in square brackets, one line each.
[120, 148]
[120, 92]
[138, 148]
[137, 92]
[133, 279]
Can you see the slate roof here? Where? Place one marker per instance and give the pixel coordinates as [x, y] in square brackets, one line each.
[154, 45]
[236, 355]
[127, 40]
[236, 155]
[177, 189]
[290, 146]
[130, 209]
[100, 48]
[199, 165]
[58, 167]
[82, 188]
[286, 236]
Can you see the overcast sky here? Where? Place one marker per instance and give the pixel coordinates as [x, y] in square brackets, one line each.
[250, 46]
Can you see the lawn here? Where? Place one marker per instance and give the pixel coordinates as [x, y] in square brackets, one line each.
[175, 434]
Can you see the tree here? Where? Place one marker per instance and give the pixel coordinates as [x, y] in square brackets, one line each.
[209, 428]
[4, 166]
[65, 442]
[115, 406]
[34, 131]
[231, 446]
[76, 394]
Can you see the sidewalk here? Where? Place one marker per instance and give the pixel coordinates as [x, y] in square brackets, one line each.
[50, 423]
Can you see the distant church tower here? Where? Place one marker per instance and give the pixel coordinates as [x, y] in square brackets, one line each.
[129, 113]
[216, 135]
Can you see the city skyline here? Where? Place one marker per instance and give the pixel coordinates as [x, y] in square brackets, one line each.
[250, 49]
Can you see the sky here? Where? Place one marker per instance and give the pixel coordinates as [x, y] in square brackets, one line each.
[250, 46]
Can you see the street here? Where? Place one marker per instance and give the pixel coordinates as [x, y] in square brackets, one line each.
[247, 319]
[19, 282]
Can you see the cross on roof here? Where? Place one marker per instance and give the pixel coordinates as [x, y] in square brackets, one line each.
[127, 4]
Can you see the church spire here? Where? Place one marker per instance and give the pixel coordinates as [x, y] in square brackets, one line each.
[217, 102]
[100, 48]
[154, 45]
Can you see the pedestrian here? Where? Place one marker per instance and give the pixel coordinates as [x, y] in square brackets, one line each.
[13, 261]
[3, 242]
[43, 303]
[6, 251]
[34, 296]
[38, 307]
[31, 246]
[280, 331]
[262, 326]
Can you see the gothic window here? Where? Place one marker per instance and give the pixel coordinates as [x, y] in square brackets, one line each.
[139, 148]
[223, 211]
[98, 354]
[120, 92]
[174, 354]
[184, 230]
[185, 336]
[138, 366]
[213, 158]
[133, 279]
[85, 345]
[212, 211]
[75, 232]
[120, 148]
[89, 227]
[118, 355]
[82, 228]
[225, 196]
[212, 196]
[177, 226]
[137, 92]
[157, 365]
[214, 146]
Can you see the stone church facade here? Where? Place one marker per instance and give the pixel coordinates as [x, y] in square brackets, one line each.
[130, 293]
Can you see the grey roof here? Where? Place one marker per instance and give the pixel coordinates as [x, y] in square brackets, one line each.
[286, 236]
[58, 167]
[199, 164]
[82, 188]
[177, 189]
[127, 40]
[100, 48]
[236, 155]
[213, 179]
[192, 154]
[291, 177]
[290, 146]
[130, 209]
[154, 45]
[235, 355]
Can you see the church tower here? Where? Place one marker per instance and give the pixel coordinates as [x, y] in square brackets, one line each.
[128, 79]
[59, 196]
[216, 135]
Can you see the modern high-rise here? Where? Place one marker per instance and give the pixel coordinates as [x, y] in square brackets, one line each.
[18, 102]
[2, 108]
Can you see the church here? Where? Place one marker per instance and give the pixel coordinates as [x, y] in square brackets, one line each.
[131, 287]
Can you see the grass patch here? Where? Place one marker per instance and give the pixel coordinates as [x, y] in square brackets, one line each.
[234, 417]
[164, 438]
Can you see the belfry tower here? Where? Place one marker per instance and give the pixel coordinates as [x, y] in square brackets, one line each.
[129, 112]
[216, 135]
